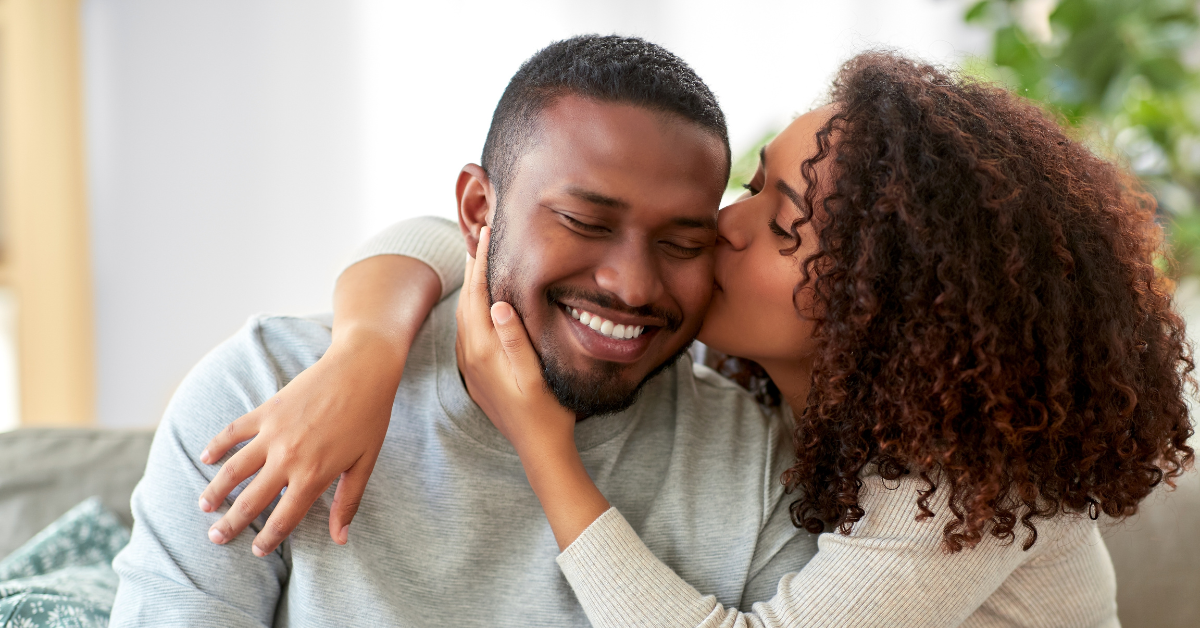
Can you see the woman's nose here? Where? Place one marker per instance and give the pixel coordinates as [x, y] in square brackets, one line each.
[731, 227]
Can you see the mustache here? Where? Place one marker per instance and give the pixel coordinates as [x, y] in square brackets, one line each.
[672, 320]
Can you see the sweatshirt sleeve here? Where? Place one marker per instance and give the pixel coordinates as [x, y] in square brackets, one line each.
[889, 571]
[435, 241]
[170, 574]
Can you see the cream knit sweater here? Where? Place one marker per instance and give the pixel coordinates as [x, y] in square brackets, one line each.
[890, 571]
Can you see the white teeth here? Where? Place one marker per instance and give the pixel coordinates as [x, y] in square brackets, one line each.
[606, 327]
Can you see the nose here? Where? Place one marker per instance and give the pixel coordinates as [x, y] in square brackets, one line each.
[630, 273]
[731, 226]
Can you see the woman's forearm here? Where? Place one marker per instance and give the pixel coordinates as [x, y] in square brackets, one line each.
[562, 484]
[380, 303]
[394, 280]
[890, 572]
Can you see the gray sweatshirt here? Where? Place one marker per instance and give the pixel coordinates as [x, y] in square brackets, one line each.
[449, 532]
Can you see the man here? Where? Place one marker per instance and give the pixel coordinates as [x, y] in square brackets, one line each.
[601, 176]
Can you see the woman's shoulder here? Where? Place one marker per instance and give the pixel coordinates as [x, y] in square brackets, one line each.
[917, 506]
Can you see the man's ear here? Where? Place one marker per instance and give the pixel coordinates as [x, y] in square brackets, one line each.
[476, 203]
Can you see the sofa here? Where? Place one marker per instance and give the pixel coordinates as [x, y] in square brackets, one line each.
[44, 472]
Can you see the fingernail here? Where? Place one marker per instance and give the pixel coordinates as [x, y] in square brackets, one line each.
[215, 536]
[204, 456]
[502, 312]
[205, 505]
[258, 551]
[345, 534]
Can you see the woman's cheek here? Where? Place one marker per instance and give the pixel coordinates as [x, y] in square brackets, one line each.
[781, 332]
[745, 318]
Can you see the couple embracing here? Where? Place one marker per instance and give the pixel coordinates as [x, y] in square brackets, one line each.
[955, 351]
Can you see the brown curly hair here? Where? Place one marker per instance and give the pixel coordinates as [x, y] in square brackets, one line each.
[990, 317]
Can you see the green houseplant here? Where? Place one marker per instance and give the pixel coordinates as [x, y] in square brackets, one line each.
[1126, 73]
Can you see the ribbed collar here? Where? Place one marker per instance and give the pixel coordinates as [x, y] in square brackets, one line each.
[466, 415]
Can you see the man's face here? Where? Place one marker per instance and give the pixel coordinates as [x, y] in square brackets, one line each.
[610, 216]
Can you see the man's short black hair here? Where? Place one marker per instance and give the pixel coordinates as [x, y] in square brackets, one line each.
[606, 68]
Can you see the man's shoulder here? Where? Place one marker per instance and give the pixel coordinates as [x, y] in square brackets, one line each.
[721, 420]
[719, 402]
[715, 383]
[284, 345]
[290, 343]
[170, 575]
[245, 370]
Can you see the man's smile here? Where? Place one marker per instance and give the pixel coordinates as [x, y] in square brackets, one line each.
[606, 327]
[610, 337]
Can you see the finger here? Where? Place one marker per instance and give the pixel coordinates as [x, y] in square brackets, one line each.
[288, 514]
[248, 506]
[478, 320]
[515, 340]
[478, 280]
[242, 429]
[242, 465]
[478, 271]
[347, 498]
[468, 272]
[464, 297]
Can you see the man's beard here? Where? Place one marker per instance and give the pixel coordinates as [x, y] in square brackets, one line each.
[594, 392]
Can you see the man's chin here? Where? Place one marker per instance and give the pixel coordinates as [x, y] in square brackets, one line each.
[605, 388]
[596, 391]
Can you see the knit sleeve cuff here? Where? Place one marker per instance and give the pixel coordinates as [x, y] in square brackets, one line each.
[620, 582]
[435, 241]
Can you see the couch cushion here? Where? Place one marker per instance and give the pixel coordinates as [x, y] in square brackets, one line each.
[44, 472]
[64, 576]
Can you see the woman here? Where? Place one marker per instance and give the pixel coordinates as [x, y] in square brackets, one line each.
[959, 305]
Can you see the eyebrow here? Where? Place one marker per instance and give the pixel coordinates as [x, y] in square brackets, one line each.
[596, 198]
[696, 223]
[782, 185]
[791, 193]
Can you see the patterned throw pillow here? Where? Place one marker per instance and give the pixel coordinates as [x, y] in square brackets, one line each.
[63, 577]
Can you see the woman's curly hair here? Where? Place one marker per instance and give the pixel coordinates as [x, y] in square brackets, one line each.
[988, 313]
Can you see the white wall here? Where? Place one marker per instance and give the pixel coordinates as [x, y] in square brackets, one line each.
[224, 159]
[239, 148]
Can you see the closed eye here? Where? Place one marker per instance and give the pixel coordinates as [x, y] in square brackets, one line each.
[583, 226]
[685, 252]
[779, 231]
